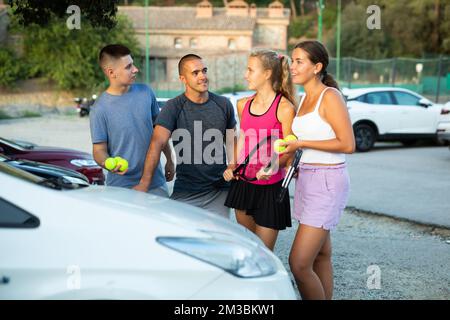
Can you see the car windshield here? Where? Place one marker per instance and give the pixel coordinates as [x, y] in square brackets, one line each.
[18, 144]
[58, 183]
[25, 144]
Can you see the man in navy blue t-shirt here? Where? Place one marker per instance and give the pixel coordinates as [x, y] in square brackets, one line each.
[122, 121]
[199, 123]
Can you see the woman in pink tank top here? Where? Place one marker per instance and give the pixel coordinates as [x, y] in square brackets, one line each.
[268, 113]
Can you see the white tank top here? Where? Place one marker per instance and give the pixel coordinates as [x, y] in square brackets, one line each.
[310, 127]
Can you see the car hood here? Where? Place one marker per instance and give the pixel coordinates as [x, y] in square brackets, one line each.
[52, 170]
[60, 151]
[163, 209]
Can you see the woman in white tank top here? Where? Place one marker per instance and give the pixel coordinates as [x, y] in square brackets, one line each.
[325, 135]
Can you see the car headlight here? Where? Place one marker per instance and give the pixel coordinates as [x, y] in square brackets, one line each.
[84, 163]
[239, 257]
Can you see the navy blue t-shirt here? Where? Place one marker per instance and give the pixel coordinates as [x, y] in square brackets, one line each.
[125, 123]
[198, 135]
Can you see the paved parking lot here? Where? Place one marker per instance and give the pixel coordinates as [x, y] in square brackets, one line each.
[410, 183]
[374, 257]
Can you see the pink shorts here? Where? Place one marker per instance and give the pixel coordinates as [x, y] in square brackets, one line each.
[321, 194]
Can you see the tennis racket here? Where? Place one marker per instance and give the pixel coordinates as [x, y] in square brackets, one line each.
[290, 173]
[241, 169]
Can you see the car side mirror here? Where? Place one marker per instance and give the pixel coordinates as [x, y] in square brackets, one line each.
[425, 103]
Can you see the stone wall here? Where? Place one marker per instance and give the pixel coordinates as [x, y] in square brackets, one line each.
[203, 42]
[35, 95]
[271, 36]
[224, 71]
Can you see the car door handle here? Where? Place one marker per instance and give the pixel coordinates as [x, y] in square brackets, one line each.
[4, 280]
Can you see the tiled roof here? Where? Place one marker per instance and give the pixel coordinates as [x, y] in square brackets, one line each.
[178, 53]
[164, 18]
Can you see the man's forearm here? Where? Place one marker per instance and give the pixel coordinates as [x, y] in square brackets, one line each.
[100, 157]
[167, 150]
[151, 162]
[231, 147]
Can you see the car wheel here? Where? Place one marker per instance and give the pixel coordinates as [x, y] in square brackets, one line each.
[409, 143]
[440, 142]
[365, 137]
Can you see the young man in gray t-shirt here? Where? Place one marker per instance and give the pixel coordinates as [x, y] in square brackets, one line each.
[122, 122]
[198, 121]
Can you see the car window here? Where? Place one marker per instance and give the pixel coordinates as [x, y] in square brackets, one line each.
[15, 217]
[382, 97]
[406, 99]
[361, 98]
[161, 104]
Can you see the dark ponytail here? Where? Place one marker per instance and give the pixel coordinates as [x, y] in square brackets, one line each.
[328, 80]
[317, 53]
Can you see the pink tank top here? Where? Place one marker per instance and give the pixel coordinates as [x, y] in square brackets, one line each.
[256, 128]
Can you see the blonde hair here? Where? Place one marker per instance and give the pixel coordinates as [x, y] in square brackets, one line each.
[281, 77]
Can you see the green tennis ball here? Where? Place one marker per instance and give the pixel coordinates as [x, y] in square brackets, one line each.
[110, 163]
[118, 158]
[290, 137]
[277, 146]
[123, 165]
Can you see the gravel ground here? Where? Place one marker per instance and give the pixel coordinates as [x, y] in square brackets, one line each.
[411, 259]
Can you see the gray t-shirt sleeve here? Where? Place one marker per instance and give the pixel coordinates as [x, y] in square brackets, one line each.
[99, 132]
[167, 118]
[231, 119]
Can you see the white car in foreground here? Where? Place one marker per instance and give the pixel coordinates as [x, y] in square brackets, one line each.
[391, 114]
[63, 241]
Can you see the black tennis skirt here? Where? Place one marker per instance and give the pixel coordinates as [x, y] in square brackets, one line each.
[260, 201]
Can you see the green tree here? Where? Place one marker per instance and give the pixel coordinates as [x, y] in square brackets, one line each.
[356, 39]
[70, 57]
[98, 13]
[11, 68]
[409, 28]
[445, 30]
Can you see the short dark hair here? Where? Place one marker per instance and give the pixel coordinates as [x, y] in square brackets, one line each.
[185, 59]
[114, 51]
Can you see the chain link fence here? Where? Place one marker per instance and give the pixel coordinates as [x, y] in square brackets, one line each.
[428, 77]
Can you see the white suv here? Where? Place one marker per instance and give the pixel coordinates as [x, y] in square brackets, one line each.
[443, 130]
[391, 114]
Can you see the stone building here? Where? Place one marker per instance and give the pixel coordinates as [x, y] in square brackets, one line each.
[222, 36]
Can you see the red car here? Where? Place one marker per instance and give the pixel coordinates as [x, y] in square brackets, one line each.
[67, 158]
